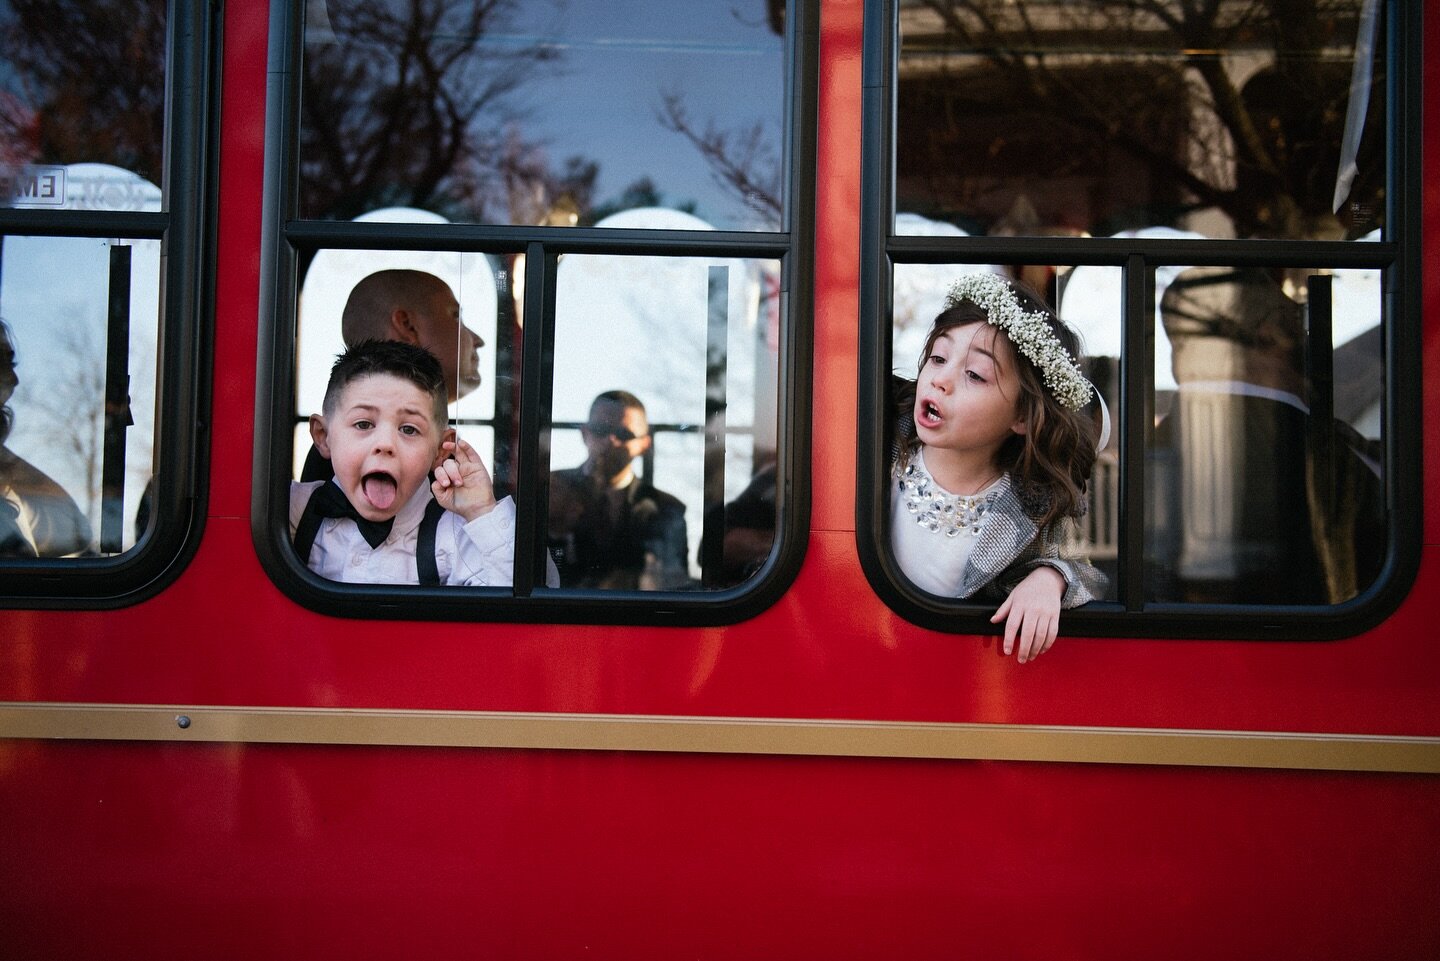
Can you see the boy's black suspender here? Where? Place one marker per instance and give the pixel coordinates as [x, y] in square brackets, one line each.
[306, 530]
[425, 544]
[425, 566]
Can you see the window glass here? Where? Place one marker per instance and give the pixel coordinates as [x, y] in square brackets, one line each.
[1035, 118]
[105, 110]
[380, 437]
[80, 82]
[350, 295]
[82, 128]
[664, 413]
[1266, 464]
[1083, 298]
[1265, 451]
[77, 379]
[1249, 461]
[647, 341]
[553, 113]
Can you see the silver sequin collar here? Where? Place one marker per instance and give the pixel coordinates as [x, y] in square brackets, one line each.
[941, 512]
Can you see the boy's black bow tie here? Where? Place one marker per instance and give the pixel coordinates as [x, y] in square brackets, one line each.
[330, 501]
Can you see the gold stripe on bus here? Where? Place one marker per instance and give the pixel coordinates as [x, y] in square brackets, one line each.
[721, 735]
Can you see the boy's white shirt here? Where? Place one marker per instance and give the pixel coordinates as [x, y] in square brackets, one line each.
[480, 553]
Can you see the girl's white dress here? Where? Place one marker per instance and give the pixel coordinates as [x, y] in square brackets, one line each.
[983, 545]
[932, 531]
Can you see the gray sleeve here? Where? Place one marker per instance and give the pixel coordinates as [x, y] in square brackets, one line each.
[1083, 581]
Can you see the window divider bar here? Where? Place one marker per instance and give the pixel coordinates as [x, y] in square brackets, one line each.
[488, 238]
[1320, 375]
[1116, 251]
[117, 402]
[716, 396]
[503, 470]
[129, 224]
[1136, 419]
[532, 481]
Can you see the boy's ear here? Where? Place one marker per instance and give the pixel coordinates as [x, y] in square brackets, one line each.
[441, 454]
[319, 435]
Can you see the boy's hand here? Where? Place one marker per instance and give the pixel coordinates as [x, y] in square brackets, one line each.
[462, 484]
[1032, 613]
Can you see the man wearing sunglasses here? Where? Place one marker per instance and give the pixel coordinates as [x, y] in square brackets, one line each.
[610, 528]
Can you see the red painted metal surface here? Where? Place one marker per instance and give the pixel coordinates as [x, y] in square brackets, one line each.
[228, 852]
[123, 850]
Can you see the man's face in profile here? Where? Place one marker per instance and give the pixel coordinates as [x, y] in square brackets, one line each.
[614, 436]
[457, 346]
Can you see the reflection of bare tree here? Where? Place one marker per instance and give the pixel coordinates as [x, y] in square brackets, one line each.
[69, 402]
[66, 406]
[89, 83]
[538, 194]
[1233, 106]
[742, 161]
[641, 193]
[402, 106]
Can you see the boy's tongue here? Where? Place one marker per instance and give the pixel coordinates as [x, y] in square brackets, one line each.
[379, 490]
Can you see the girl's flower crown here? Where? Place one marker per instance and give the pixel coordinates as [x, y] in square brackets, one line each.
[1029, 331]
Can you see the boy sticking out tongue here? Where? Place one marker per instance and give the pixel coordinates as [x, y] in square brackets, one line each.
[383, 427]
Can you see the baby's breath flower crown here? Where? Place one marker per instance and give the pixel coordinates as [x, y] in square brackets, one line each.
[1029, 331]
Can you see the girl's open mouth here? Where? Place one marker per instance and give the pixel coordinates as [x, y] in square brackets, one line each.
[928, 415]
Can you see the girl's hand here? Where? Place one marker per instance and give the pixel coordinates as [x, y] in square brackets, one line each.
[462, 484]
[1032, 613]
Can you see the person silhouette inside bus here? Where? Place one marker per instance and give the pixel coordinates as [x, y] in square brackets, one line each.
[1256, 500]
[608, 527]
[412, 307]
[381, 519]
[746, 528]
[37, 517]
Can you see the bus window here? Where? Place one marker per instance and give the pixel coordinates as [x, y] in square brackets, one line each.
[921, 293]
[543, 113]
[80, 411]
[1093, 153]
[85, 83]
[353, 295]
[447, 304]
[1041, 119]
[664, 416]
[97, 492]
[608, 193]
[1266, 465]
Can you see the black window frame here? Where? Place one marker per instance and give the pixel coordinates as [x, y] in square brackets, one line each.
[1131, 615]
[285, 238]
[185, 228]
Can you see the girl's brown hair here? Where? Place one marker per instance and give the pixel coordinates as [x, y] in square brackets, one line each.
[1051, 462]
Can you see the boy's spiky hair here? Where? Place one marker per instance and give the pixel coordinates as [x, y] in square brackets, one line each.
[409, 362]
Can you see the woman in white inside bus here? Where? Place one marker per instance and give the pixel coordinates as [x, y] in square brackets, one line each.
[37, 517]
